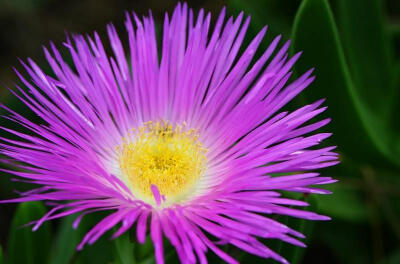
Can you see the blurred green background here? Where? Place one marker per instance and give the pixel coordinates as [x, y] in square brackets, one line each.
[354, 46]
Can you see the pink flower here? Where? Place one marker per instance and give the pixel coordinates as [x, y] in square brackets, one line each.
[188, 138]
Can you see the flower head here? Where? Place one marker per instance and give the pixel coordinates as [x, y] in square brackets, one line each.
[188, 143]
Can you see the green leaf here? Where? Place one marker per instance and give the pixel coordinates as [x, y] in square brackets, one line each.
[124, 250]
[344, 204]
[149, 260]
[99, 252]
[24, 245]
[394, 257]
[348, 243]
[143, 251]
[358, 130]
[102, 250]
[368, 51]
[64, 247]
[366, 44]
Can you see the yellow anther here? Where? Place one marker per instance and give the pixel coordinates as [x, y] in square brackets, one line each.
[170, 157]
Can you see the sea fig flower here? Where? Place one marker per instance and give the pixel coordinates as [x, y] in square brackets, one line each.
[187, 142]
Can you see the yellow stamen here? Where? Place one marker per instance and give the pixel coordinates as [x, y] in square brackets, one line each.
[169, 157]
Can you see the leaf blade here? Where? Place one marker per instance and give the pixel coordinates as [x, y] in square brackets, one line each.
[64, 247]
[366, 44]
[357, 131]
[124, 250]
[35, 245]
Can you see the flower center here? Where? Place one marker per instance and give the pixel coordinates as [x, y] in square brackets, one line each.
[168, 157]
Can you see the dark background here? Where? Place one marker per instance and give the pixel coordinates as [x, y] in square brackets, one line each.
[365, 205]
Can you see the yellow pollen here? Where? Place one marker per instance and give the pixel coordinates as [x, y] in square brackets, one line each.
[170, 157]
